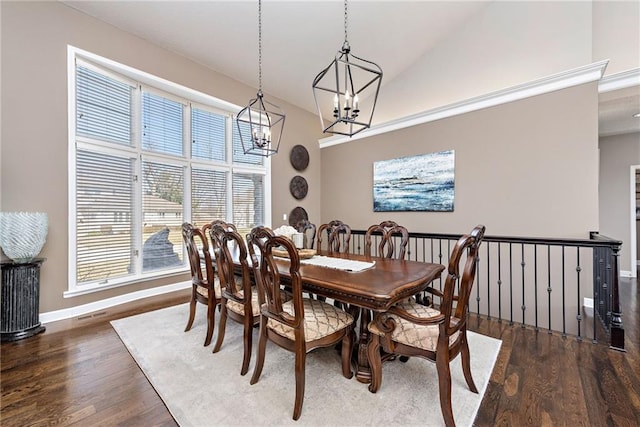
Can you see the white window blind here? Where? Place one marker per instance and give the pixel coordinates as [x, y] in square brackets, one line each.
[248, 200]
[162, 127]
[104, 216]
[208, 195]
[103, 107]
[162, 215]
[208, 135]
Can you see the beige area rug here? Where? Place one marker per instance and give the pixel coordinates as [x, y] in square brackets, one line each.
[205, 389]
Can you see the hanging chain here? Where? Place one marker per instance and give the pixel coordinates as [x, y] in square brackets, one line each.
[345, 21]
[260, 46]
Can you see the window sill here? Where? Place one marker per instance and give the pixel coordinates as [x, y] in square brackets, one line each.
[97, 287]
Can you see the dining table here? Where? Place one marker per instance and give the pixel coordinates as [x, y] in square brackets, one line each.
[368, 283]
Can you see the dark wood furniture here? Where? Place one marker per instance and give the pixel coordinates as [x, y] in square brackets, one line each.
[338, 235]
[377, 288]
[225, 225]
[205, 284]
[386, 247]
[309, 230]
[20, 300]
[300, 325]
[239, 300]
[412, 329]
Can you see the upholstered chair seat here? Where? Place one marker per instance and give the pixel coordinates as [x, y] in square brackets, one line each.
[204, 291]
[320, 320]
[238, 308]
[405, 332]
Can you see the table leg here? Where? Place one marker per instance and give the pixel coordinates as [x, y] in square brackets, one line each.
[363, 370]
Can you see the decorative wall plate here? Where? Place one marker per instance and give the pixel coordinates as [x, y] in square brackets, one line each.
[296, 215]
[299, 157]
[298, 187]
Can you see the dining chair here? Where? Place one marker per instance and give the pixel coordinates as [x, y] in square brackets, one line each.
[386, 247]
[412, 329]
[309, 230]
[338, 236]
[239, 300]
[205, 284]
[226, 225]
[300, 325]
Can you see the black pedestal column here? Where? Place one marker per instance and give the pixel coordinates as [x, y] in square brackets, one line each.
[20, 300]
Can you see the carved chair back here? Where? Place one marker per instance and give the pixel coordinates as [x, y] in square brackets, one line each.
[309, 230]
[389, 230]
[338, 236]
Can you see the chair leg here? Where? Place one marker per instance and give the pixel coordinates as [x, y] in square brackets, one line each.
[301, 357]
[192, 313]
[221, 327]
[211, 322]
[375, 362]
[262, 346]
[466, 364]
[346, 354]
[444, 382]
[248, 338]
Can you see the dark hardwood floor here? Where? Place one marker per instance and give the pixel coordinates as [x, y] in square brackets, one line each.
[84, 376]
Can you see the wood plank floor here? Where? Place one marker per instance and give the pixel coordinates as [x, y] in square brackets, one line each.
[84, 376]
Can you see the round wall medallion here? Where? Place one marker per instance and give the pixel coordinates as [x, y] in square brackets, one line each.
[297, 214]
[299, 157]
[298, 187]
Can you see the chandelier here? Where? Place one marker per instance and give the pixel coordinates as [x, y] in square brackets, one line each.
[260, 124]
[349, 85]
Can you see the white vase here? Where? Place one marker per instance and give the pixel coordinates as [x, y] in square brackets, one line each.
[22, 234]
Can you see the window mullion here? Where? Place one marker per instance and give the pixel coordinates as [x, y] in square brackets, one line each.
[137, 184]
[187, 138]
[229, 157]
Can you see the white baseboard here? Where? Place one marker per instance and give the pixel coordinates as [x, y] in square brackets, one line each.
[68, 313]
[587, 306]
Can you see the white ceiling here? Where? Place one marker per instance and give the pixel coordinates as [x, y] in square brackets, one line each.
[299, 38]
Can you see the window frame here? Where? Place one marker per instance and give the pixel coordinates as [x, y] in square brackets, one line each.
[193, 99]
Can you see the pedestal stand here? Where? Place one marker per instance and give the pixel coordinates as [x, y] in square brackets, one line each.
[20, 300]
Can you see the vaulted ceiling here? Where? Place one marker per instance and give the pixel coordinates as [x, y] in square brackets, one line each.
[299, 38]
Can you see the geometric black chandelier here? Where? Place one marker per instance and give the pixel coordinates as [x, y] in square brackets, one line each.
[349, 86]
[260, 124]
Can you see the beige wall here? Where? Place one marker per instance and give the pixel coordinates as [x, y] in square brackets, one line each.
[616, 34]
[617, 155]
[34, 123]
[527, 168]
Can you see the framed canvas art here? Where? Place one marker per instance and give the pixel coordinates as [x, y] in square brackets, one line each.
[415, 183]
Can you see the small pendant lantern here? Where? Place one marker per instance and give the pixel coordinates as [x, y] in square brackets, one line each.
[260, 124]
[350, 86]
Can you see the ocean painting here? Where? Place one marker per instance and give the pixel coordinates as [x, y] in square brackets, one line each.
[415, 183]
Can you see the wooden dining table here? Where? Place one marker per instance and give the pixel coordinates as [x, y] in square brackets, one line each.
[376, 288]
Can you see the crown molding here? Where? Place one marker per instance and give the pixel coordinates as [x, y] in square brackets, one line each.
[577, 76]
[620, 80]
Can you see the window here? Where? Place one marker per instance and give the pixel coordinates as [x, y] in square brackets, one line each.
[146, 156]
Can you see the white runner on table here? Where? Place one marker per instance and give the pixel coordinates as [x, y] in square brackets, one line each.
[338, 263]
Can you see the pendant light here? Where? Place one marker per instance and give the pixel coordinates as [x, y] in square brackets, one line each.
[260, 124]
[349, 86]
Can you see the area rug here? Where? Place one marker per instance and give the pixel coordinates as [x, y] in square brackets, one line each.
[204, 389]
